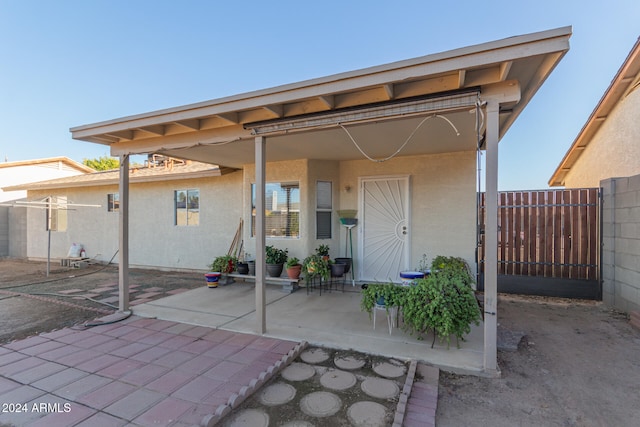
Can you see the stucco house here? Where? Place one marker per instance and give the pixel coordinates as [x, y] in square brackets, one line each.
[26, 171]
[608, 144]
[606, 154]
[158, 238]
[398, 143]
[13, 232]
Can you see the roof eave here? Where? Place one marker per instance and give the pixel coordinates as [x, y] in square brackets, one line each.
[619, 87]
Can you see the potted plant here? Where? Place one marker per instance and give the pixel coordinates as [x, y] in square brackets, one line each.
[242, 266]
[275, 259]
[444, 302]
[224, 265]
[323, 251]
[294, 268]
[388, 295]
[315, 266]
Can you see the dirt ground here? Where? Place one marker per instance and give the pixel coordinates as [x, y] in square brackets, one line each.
[578, 363]
[32, 302]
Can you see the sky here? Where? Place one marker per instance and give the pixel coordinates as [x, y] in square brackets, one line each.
[67, 63]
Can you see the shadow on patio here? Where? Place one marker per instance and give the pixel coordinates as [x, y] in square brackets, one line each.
[332, 320]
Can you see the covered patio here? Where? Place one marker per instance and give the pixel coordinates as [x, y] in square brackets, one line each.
[333, 320]
[451, 106]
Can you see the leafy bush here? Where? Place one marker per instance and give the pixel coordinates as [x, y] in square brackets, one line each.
[315, 266]
[322, 250]
[275, 255]
[224, 264]
[392, 295]
[444, 302]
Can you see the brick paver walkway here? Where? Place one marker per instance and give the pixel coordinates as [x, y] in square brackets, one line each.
[144, 372]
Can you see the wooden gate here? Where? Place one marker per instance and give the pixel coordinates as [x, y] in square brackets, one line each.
[548, 242]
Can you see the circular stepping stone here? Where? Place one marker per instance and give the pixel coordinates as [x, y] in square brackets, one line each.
[277, 394]
[298, 424]
[390, 369]
[298, 372]
[367, 414]
[250, 418]
[380, 388]
[336, 379]
[314, 355]
[320, 404]
[349, 363]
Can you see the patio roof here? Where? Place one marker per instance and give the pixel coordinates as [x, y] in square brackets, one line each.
[473, 95]
[221, 131]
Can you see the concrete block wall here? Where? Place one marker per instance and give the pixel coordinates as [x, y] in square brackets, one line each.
[621, 243]
[4, 231]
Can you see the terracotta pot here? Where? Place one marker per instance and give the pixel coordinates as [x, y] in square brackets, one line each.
[294, 272]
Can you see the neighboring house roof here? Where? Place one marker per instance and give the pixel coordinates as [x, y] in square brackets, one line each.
[626, 80]
[15, 174]
[59, 162]
[177, 170]
[218, 131]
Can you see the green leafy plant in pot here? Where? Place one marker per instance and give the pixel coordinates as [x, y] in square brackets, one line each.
[315, 266]
[275, 259]
[224, 264]
[388, 295]
[323, 251]
[294, 268]
[443, 303]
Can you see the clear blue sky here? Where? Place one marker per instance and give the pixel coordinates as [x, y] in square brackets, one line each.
[68, 63]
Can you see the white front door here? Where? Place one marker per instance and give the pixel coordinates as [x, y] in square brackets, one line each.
[384, 229]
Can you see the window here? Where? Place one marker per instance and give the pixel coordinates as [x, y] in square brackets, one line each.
[187, 207]
[113, 202]
[324, 205]
[282, 210]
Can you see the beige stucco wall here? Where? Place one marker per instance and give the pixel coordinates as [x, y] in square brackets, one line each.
[443, 201]
[306, 173]
[154, 240]
[614, 151]
[443, 212]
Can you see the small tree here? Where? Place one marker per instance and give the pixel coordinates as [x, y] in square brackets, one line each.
[102, 163]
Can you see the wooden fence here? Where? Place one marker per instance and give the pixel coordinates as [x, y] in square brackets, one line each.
[550, 233]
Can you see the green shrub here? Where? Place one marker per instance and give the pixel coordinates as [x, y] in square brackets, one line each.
[315, 266]
[444, 302]
[275, 255]
[224, 264]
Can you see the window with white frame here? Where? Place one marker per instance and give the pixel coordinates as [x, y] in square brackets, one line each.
[113, 202]
[282, 210]
[324, 205]
[187, 207]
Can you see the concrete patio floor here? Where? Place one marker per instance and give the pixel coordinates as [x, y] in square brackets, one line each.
[333, 319]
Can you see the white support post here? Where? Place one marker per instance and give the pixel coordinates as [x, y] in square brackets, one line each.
[260, 161]
[491, 241]
[123, 231]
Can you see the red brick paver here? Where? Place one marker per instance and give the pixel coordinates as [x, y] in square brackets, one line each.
[137, 372]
